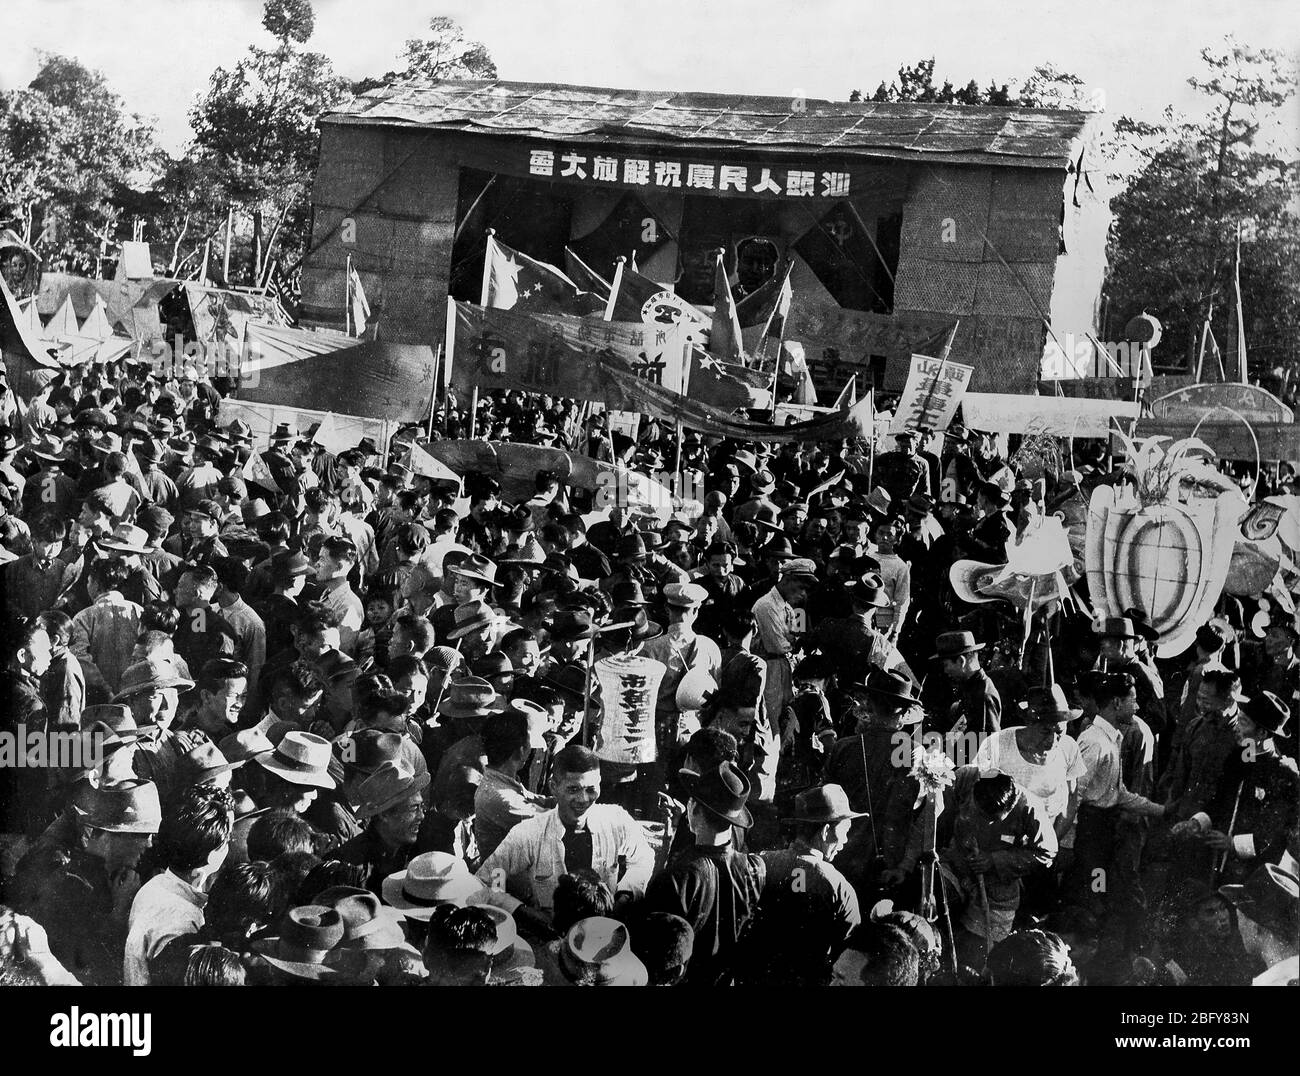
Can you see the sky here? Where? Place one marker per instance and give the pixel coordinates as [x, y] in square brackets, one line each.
[158, 54]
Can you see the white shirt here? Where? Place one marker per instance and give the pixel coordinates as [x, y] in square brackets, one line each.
[1103, 785]
[165, 908]
[1048, 784]
[775, 619]
[530, 860]
[1280, 974]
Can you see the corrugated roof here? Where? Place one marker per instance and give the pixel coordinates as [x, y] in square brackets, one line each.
[980, 135]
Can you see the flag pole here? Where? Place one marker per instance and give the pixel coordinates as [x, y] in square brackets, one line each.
[613, 288]
[347, 296]
[448, 357]
[487, 266]
[433, 396]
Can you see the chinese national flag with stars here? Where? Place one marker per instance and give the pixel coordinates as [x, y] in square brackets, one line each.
[514, 281]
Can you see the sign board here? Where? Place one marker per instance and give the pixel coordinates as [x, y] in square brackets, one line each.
[934, 389]
[1005, 412]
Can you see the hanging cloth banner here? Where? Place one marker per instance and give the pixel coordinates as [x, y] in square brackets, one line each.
[934, 389]
[500, 349]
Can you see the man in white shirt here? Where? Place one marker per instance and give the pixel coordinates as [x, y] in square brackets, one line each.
[780, 623]
[1102, 801]
[577, 833]
[193, 842]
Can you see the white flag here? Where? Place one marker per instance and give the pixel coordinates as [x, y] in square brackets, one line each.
[422, 463]
[255, 470]
[357, 301]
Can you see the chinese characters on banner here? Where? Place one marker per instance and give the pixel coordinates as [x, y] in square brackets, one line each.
[931, 395]
[688, 175]
[629, 686]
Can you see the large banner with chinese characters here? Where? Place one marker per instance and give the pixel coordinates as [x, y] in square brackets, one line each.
[720, 173]
[504, 349]
[930, 398]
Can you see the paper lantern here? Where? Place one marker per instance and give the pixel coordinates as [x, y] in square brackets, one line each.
[629, 688]
[1164, 545]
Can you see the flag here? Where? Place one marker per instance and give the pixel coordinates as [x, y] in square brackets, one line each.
[756, 307]
[630, 226]
[1239, 366]
[357, 301]
[724, 337]
[848, 394]
[584, 276]
[286, 291]
[512, 280]
[422, 463]
[634, 297]
[256, 471]
[842, 254]
[96, 324]
[330, 437]
[64, 321]
[774, 329]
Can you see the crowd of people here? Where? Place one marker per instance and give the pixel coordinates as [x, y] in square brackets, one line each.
[354, 725]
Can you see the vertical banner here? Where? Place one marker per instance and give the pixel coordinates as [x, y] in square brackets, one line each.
[934, 389]
[629, 686]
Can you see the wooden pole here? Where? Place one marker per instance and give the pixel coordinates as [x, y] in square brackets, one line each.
[347, 295]
[677, 463]
[473, 412]
[433, 396]
[225, 257]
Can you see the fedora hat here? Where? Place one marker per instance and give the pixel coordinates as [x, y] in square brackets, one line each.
[149, 450]
[633, 620]
[868, 590]
[767, 518]
[919, 504]
[722, 792]
[528, 553]
[473, 616]
[746, 461]
[597, 951]
[779, 548]
[49, 448]
[115, 722]
[952, 644]
[560, 564]
[239, 431]
[390, 784]
[1268, 712]
[879, 501]
[301, 758]
[762, 482]
[282, 434]
[122, 807]
[631, 545]
[430, 879]
[478, 568]
[368, 925]
[681, 526]
[125, 538]
[307, 945]
[471, 697]
[145, 676]
[538, 718]
[570, 625]
[1142, 625]
[1048, 703]
[887, 684]
[202, 762]
[492, 665]
[360, 754]
[685, 595]
[570, 680]
[628, 592]
[1117, 627]
[824, 804]
[1269, 897]
[291, 562]
[245, 745]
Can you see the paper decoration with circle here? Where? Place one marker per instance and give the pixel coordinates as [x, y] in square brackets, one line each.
[1169, 558]
[977, 582]
[629, 688]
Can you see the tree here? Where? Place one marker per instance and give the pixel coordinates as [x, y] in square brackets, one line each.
[444, 54]
[70, 155]
[1173, 239]
[1043, 89]
[257, 129]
